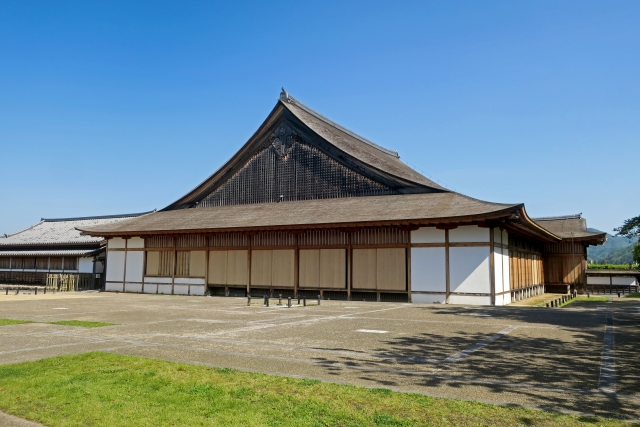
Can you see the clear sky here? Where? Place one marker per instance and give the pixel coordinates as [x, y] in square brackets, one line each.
[122, 106]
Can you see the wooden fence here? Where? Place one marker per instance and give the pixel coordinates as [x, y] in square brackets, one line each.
[69, 282]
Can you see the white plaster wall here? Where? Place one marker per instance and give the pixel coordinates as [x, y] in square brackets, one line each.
[595, 280]
[150, 289]
[469, 299]
[157, 279]
[180, 290]
[500, 300]
[469, 269]
[116, 243]
[197, 290]
[135, 261]
[115, 266]
[99, 267]
[497, 265]
[506, 269]
[428, 270]
[428, 298]
[85, 265]
[164, 289]
[627, 281]
[135, 242]
[188, 281]
[427, 235]
[133, 287]
[469, 233]
[113, 287]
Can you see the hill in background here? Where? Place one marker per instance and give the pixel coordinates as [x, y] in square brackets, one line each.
[616, 250]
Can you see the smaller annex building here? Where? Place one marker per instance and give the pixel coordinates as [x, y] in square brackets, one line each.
[55, 247]
[308, 207]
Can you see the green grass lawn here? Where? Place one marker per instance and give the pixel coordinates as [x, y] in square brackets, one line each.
[635, 295]
[599, 300]
[4, 322]
[81, 323]
[101, 389]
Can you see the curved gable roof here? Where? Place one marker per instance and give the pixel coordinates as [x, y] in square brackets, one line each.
[343, 144]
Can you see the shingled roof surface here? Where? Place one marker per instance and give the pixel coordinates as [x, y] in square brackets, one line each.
[307, 213]
[354, 145]
[60, 231]
[570, 226]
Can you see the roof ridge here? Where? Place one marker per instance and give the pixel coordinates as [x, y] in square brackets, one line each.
[553, 218]
[80, 218]
[7, 235]
[285, 97]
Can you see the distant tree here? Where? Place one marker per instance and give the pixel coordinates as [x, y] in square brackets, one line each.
[630, 229]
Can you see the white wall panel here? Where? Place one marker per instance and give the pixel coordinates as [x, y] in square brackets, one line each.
[135, 261]
[154, 279]
[506, 270]
[135, 242]
[113, 287]
[133, 287]
[469, 269]
[115, 266]
[150, 289]
[197, 290]
[180, 290]
[427, 235]
[85, 265]
[469, 233]
[470, 299]
[497, 268]
[428, 298]
[116, 243]
[428, 270]
[189, 281]
[164, 289]
[626, 281]
[596, 280]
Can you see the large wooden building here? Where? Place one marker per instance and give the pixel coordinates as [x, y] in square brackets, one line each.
[307, 207]
[54, 247]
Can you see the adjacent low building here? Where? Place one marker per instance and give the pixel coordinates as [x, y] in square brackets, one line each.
[307, 207]
[55, 247]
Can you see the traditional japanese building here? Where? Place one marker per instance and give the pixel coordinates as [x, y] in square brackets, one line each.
[307, 207]
[55, 247]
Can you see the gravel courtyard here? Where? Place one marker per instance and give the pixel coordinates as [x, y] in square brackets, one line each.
[583, 358]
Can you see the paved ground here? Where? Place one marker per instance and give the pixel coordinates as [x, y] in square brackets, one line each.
[583, 358]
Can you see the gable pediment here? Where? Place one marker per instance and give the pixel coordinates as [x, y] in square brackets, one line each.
[286, 160]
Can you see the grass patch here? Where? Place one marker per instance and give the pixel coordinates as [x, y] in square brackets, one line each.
[81, 323]
[634, 295]
[4, 322]
[102, 389]
[586, 299]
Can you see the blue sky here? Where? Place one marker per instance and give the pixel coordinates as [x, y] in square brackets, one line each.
[117, 107]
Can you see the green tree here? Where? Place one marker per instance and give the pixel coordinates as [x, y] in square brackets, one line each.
[630, 229]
